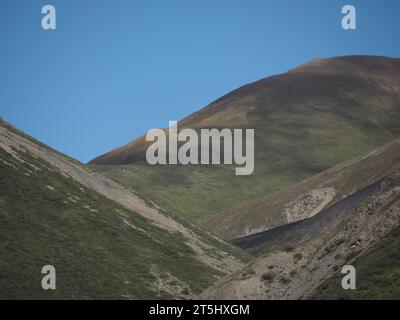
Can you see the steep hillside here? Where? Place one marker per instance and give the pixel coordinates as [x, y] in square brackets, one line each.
[296, 259]
[307, 198]
[303, 259]
[378, 274]
[104, 241]
[305, 121]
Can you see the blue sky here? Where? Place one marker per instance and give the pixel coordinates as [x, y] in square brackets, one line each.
[114, 69]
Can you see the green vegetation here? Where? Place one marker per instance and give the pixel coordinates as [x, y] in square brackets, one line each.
[378, 274]
[305, 122]
[193, 192]
[99, 248]
[197, 193]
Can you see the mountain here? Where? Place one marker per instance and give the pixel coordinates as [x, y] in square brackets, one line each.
[104, 241]
[303, 259]
[325, 193]
[306, 121]
[307, 198]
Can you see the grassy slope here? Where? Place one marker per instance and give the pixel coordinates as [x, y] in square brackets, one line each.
[305, 122]
[377, 274]
[194, 193]
[299, 145]
[95, 253]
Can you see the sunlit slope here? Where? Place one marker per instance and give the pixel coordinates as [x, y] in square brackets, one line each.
[102, 239]
[306, 120]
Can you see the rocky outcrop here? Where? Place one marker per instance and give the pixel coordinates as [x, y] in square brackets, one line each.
[298, 258]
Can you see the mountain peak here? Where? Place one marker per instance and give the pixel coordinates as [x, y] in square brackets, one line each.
[349, 64]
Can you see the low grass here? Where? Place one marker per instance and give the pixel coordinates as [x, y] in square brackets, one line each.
[194, 192]
[47, 218]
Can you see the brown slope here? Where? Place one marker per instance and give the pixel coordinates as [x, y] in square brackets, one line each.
[294, 272]
[311, 88]
[295, 259]
[308, 197]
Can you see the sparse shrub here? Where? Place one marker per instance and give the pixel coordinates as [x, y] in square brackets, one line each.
[247, 273]
[185, 291]
[338, 256]
[268, 276]
[297, 256]
[336, 268]
[284, 280]
[172, 282]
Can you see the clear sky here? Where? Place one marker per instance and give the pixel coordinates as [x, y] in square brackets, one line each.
[114, 69]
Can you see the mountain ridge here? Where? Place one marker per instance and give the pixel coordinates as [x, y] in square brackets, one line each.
[305, 122]
[347, 65]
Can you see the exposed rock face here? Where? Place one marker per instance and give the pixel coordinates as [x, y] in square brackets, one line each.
[302, 256]
[309, 205]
